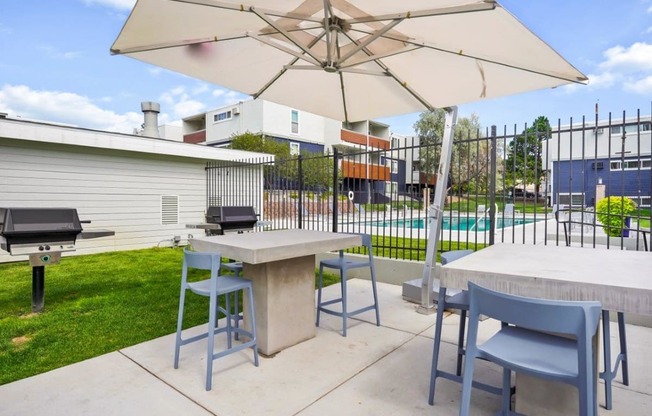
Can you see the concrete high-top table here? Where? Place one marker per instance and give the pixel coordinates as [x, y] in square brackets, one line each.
[619, 279]
[281, 266]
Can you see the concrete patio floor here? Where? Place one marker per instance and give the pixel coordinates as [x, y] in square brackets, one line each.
[373, 371]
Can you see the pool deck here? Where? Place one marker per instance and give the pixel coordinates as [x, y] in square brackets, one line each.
[374, 371]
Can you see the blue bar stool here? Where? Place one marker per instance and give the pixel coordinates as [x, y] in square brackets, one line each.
[213, 287]
[343, 264]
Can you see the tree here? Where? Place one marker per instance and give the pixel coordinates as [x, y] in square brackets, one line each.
[470, 158]
[257, 143]
[523, 163]
[429, 128]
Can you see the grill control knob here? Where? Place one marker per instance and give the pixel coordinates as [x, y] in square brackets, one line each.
[47, 247]
[41, 248]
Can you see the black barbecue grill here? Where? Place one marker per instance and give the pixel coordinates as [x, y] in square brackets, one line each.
[223, 219]
[42, 234]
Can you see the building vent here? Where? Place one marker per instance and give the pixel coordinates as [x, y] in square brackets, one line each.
[236, 111]
[150, 111]
[169, 209]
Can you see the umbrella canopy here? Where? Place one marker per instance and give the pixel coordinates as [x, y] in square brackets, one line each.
[347, 60]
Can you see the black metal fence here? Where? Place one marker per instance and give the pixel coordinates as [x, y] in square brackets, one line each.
[528, 186]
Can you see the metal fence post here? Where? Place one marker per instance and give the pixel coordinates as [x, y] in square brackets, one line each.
[492, 188]
[335, 195]
[300, 196]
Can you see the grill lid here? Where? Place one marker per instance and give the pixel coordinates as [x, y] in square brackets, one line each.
[34, 230]
[39, 221]
[226, 215]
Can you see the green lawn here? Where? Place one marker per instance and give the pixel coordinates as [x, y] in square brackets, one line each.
[94, 304]
[100, 303]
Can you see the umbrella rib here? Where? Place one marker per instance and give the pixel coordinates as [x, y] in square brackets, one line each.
[381, 55]
[369, 40]
[285, 33]
[425, 44]
[467, 8]
[168, 45]
[286, 50]
[243, 8]
[284, 69]
[348, 70]
[402, 83]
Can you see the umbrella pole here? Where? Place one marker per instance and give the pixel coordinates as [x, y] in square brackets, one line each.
[436, 213]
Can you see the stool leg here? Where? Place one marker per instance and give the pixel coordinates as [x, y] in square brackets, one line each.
[343, 288]
[177, 345]
[441, 305]
[373, 288]
[607, 375]
[229, 316]
[460, 342]
[623, 347]
[319, 285]
[236, 301]
[252, 314]
[506, 393]
[212, 310]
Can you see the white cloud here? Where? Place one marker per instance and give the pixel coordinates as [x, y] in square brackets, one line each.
[200, 88]
[64, 107]
[641, 86]
[181, 102]
[155, 71]
[219, 92]
[635, 58]
[628, 68]
[117, 4]
[603, 80]
[649, 9]
[649, 30]
[188, 107]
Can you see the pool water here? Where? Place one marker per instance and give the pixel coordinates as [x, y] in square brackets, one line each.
[456, 224]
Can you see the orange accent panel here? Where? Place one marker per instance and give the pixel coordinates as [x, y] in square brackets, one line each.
[359, 171]
[361, 139]
[196, 137]
[427, 178]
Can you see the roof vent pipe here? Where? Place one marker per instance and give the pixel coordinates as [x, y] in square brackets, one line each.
[150, 110]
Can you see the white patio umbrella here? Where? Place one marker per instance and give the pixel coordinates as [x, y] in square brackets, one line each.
[347, 60]
[351, 60]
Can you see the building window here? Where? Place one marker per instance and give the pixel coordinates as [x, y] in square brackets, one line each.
[394, 166]
[572, 199]
[295, 122]
[391, 189]
[641, 201]
[295, 149]
[631, 128]
[226, 115]
[635, 164]
[396, 143]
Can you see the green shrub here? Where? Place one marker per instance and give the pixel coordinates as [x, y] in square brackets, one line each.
[612, 211]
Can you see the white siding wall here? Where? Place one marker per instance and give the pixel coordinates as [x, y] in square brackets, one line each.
[249, 119]
[278, 122]
[608, 145]
[116, 190]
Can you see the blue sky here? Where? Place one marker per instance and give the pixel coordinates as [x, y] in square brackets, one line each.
[55, 65]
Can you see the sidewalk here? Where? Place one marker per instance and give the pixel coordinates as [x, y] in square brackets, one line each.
[374, 371]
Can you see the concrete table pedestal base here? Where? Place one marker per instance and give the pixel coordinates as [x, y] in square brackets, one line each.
[284, 293]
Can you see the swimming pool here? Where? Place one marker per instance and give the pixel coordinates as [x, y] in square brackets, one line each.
[456, 224]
